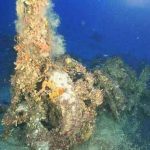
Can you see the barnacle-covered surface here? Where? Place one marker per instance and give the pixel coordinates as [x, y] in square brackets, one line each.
[53, 101]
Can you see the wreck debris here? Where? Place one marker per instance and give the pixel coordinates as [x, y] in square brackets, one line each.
[122, 86]
[53, 103]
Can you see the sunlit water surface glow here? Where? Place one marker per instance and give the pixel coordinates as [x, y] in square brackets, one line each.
[138, 3]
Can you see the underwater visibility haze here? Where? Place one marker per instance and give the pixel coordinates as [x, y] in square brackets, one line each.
[75, 75]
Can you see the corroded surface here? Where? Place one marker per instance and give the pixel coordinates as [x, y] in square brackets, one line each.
[53, 102]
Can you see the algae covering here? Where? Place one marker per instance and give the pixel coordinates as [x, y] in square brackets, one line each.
[123, 87]
[120, 114]
[119, 121]
[125, 107]
[53, 99]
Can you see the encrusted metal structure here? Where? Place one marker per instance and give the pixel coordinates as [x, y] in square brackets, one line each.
[53, 101]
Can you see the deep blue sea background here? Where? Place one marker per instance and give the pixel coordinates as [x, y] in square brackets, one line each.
[91, 28]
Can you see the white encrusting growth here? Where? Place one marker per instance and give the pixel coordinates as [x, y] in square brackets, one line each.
[57, 40]
[62, 80]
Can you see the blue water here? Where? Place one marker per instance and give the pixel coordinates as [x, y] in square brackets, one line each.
[91, 28]
[94, 27]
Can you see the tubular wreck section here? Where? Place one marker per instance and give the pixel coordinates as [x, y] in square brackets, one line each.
[54, 100]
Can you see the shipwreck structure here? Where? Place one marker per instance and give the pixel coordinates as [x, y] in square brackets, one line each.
[53, 99]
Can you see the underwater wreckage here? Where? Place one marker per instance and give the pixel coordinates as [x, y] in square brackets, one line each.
[48, 99]
[54, 97]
